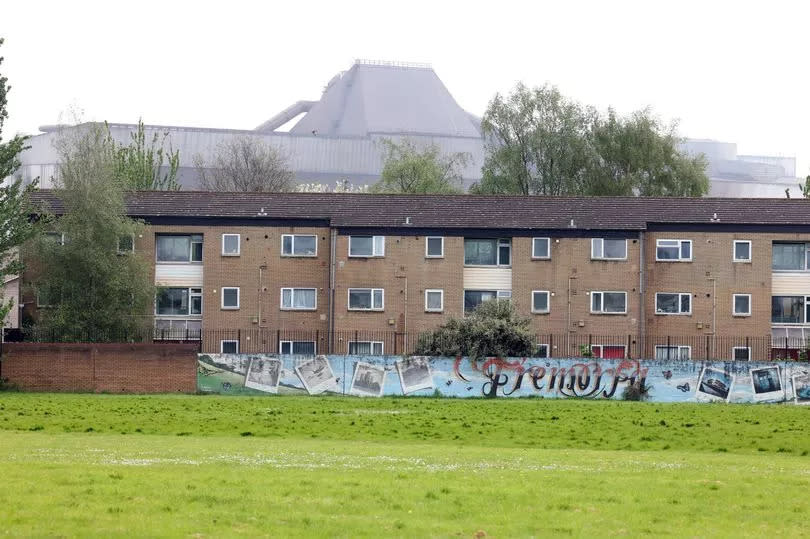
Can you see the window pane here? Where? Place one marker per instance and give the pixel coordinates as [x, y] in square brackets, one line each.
[540, 301]
[435, 246]
[230, 244]
[379, 245]
[615, 248]
[667, 250]
[360, 348]
[666, 303]
[614, 302]
[686, 301]
[304, 298]
[480, 252]
[742, 250]
[540, 248]
[196, 252]
[504, 255]
[788, 256]
[230, 297]
[303, 348]
[286, 347]
[287, 245]
[361, 245]
[172, 301]
[542, 351]
[596, 302]
[196, 305]
[286, 298]
[666, 352]
[741, 354]
[474, 298]
[378, 299]
[741, 304]
[229, 347]
[434, 301]
[305, 245]
[596, 248]
[686, 250]
[377, 348]
[787, 309]
[173, 248]
[360, 299]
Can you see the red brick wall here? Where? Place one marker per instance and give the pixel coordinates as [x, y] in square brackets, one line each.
[112, 368]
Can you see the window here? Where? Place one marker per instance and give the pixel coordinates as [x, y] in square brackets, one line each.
[474, 298]
[678, 303]
[741, 353]
[178, 302]
[365, 348]
[126, 244]
[366, 246]
[434, 247]
[742, 251]
[673, 352]
[229, 347]
[541, 248]
[605, 351]
[487, 252]
[187, 248]
[609, 302]
[541, 351]
[742, 304]
[299, 245]
[434, 301]
[303, 299]
[788, 309]
[673, 250]
[540, 301]
[789, 257]
[366, 299]
[230, 297]
[298, 348]
[230, 245]
[607, 249]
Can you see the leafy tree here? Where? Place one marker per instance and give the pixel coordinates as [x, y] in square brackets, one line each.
[540, 143]
[493, 329]
[93, 291]
[140, 165]
[246, 164]
[15, 224]
[805, 188]
[409, 168]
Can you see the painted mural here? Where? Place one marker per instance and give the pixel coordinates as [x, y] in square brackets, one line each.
[375, 376]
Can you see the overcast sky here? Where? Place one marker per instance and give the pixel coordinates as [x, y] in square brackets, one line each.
[732, 71]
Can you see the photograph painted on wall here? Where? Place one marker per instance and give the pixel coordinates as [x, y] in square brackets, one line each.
[714, 384]
[767, 383]
[368, 380]
[414, 374]
[263, 374]
[316, 375]
[801, 388]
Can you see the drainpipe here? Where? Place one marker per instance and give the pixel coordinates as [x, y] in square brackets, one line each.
[259, 302]
[568, 327]
[332, 262]
[642, 285]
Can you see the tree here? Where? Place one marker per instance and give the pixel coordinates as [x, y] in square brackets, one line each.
[15, 224]
[540, 143]
[92, 290]
[805, 188]
[493, 329]
[140, 166]
[246, 164]
[409, 168]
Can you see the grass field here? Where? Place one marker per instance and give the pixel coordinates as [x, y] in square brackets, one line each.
[103, 465]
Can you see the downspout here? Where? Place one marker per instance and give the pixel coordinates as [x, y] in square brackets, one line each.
[642, 284]
[332, 262]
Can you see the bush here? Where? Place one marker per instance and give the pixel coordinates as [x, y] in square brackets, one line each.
[636, 391]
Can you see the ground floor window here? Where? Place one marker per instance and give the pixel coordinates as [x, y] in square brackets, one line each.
[365, 348]
[298, 348]
[607, 351]
[673, 352]
[229, 347]
[741, 353]
[542, 351]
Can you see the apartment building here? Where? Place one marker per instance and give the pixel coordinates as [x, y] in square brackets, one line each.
[326, 265]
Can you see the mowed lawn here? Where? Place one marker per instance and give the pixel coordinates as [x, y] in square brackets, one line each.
[105, 465]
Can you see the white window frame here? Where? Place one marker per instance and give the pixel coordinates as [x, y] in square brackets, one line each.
[427, 242]
[222, 345]
[535, 256]
[238, 245]
[734, 252]
[125, 252]
[371, 291]
[548, 301]
[602, 347]
[292, 298]
[191, 294]
[678, 348]
[499, 242]
[734, 352]
[680, 295]
[371, 345]
[537, 350]
[191, 243]
[293, 236]
[734, 305]
[441, 300]
[222, 298]
[283, 342]
[375, 252]
[601, 243]
[602, 301]
[680, 250]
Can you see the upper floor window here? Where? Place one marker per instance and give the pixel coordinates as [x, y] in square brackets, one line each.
[474, 298]
[540, 301]
[434, 300]
[487, 252]
[790, 256]
[230, 244]
[179, 248]
[366, 299]
[789, 309]
[434, 247]
[299, 245]
[366, 246]
[541, 248]
[126, 244]
[678, 303]
[742, 251]
[178, 302]
[609, 302]
[608, 249]
[230, 297]
[303, 299]
[741, 304]
[673, 250]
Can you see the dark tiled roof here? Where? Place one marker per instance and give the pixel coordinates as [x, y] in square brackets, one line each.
[462, 211]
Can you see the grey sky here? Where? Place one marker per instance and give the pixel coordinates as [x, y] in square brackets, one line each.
[732, 71]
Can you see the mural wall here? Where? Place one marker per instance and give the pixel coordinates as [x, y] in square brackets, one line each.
[375, 376]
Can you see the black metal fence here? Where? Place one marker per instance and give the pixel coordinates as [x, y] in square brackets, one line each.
[361, 342]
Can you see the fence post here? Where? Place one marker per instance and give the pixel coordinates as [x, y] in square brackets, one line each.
[629, 347]
[550, 345]
[707, 348]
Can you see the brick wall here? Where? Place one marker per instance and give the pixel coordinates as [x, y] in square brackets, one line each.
[112, 368]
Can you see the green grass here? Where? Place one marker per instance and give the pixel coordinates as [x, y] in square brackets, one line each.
[103, 465]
